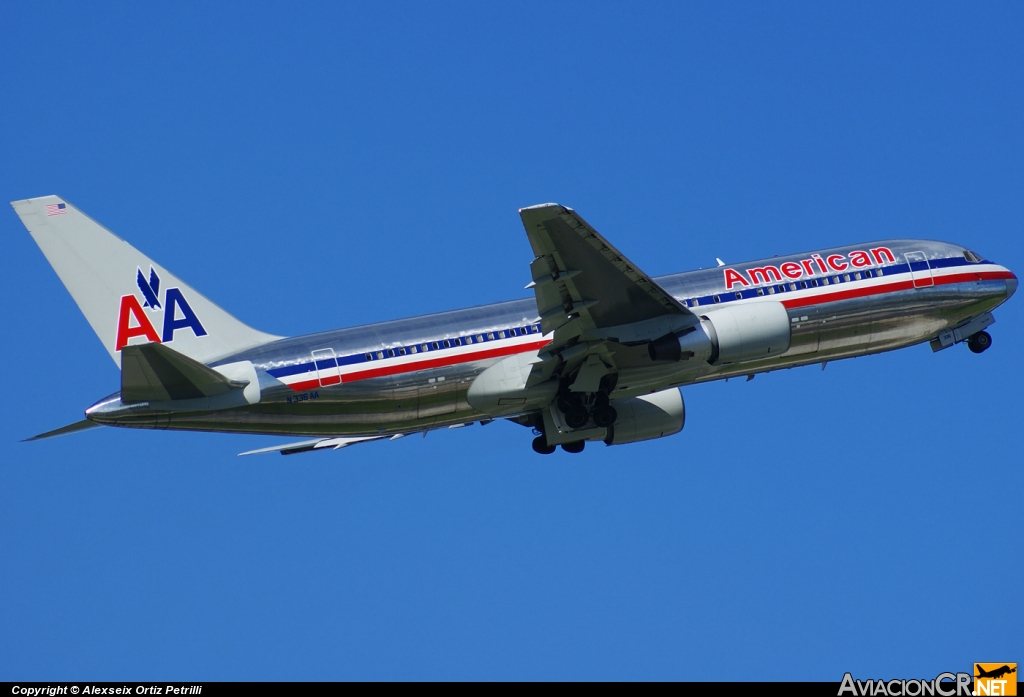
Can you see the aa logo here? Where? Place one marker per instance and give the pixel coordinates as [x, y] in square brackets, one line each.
[133, 320]
[995, 679]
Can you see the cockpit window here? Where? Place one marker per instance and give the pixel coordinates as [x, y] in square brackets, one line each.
[971, 256]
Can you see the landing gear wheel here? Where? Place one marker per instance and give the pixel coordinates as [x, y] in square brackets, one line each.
[605, 416]
[980, 342]
[576, 447]
[568, 402]
[540, 445]
[576, 417]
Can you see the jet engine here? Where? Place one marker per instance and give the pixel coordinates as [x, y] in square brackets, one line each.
[728, 335]
[647, 417]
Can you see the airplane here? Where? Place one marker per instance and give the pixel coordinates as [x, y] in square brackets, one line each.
[597, 355]
[995, 673]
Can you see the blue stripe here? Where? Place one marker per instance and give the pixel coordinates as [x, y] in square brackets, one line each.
[291, 370]
[704, 300]
[371, 356]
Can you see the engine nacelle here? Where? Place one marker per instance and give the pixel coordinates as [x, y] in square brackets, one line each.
[729, 334]
[647, 417]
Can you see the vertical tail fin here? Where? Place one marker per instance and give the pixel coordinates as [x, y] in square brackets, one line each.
[127, 297]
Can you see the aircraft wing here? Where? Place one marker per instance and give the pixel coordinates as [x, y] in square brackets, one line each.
[591, 296]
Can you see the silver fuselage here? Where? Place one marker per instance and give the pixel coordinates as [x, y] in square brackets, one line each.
[413, 374]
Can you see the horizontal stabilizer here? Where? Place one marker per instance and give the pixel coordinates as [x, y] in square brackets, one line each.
[308, 446]
[83, 425]
[154, 372]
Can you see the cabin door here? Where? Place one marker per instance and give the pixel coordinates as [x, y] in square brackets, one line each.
[326, 367]
[920, 270]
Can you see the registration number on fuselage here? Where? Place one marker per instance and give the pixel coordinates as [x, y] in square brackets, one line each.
[303, 397]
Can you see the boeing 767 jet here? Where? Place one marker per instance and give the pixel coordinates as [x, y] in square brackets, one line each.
[598, 353]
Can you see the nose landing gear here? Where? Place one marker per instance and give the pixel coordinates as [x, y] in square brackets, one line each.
[980, 342]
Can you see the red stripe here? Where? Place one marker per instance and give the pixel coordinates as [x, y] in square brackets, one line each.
[384, 371]
[881, 288]
[441, 362]
[818, 299]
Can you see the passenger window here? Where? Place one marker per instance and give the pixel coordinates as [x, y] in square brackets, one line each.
[696, 302]
[792, 286]
[391, 353]
[739, 295]
[878, 272]
[479, 338]
[401, 352]
[846, 277]
[824, 281]
[446, 343]
[867, 273]
[433, 345]
[856, 276]
[490, 336]
[716, 298]
[380, 354]
[771, 290]
[469, 340]
[760, 291]
[412, 349]
[501, 335]
[803, 284]
[423, 348]
[369, 356]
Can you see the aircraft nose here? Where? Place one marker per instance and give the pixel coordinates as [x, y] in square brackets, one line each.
[1011, 286]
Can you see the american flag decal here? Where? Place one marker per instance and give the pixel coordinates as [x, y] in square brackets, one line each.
[56, 209]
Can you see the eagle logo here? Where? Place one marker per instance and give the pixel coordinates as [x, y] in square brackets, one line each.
[150, 289]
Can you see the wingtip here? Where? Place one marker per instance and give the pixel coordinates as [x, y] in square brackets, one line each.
[83, 425]
[541, 205]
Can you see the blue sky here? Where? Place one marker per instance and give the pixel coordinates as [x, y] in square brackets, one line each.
[315, 166]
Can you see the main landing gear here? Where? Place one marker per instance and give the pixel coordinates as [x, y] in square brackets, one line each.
[578, 410]
[980, 342]
[540, 445]
[573, 405]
